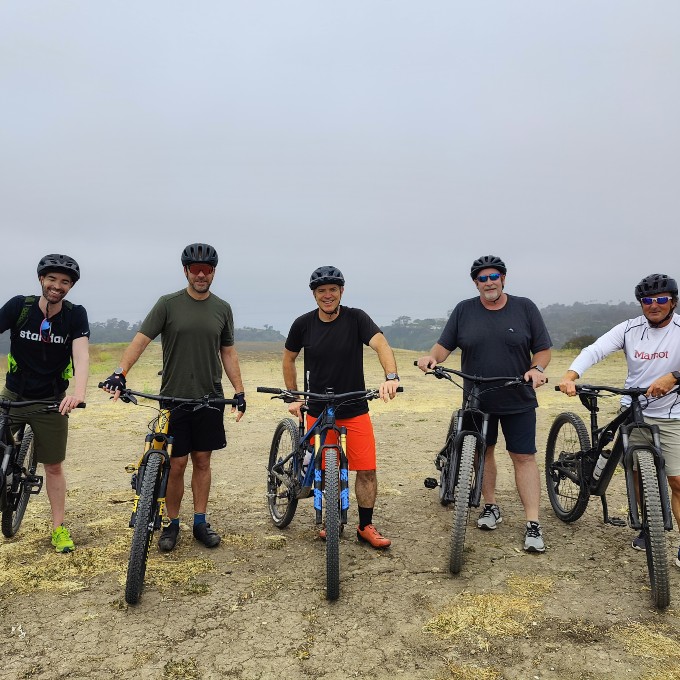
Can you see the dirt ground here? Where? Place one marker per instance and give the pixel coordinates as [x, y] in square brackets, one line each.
[255, 607]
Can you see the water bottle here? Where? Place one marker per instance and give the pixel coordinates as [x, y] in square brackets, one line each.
[306, 461]
[601, 462]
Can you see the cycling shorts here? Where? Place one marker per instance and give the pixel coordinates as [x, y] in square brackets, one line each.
[201, 430]
[50, 430]
[519, 430]
[360, 440]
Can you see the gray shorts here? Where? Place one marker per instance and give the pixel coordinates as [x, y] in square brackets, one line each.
[50, 429]
[669, 429]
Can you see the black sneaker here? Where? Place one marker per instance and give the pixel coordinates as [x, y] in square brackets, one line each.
[168, 539]
[209, 537]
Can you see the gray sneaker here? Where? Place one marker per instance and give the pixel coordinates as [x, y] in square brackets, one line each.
[168, 538]
[490, 517]
[533, 538]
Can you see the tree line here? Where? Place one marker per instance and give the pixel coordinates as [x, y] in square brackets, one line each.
[570, 327]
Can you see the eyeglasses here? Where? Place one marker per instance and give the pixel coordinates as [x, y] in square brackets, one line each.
[659, 300]
[484, 277]
[198, 268]
[46, 330]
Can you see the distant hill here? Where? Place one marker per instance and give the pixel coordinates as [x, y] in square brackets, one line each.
[564, 322]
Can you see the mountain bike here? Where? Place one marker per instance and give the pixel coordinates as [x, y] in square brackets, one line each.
[150, 480]
[575, 470]
[461, 461]
[18, 463]
[301, 465]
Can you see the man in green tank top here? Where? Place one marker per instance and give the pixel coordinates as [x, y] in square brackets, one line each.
[197, 337]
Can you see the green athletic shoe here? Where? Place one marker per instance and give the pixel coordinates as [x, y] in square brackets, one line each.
[62, 541]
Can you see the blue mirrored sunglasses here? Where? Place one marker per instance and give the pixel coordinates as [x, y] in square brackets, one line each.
[484, 277]
[46, 330]
[662, 300]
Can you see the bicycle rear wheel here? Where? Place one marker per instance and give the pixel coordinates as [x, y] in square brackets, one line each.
[12, 515]
[332, 503]
[461, 503]
[281, 498]
[567, 489]
[147, 509]
[652, 526]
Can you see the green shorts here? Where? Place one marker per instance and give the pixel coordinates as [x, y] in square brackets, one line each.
[50, 429]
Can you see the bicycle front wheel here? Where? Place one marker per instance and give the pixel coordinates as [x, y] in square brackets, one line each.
[652, 526]
[568, 491]
[332, 502]
[461, 503]
[147, 509]
[27, 460]
[281, 496]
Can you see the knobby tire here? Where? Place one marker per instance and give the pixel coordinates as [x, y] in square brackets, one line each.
[147, 507]
[27, 459]
[332, 503]
[652, 526]
[461, 503]
[568, 491]
[282, 500]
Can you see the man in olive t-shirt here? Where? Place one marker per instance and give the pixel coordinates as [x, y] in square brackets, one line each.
[197, 337]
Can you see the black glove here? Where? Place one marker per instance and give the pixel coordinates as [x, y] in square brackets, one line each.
[240, 401]
[116, 381]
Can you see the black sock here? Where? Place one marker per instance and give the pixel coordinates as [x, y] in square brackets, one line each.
[365, 517]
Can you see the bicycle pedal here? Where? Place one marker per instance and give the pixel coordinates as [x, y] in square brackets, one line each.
[33, 483]
[431, 483]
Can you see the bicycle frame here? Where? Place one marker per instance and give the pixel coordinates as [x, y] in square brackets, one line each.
[619, 430]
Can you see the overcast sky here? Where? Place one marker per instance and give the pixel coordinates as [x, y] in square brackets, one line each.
[395, 140]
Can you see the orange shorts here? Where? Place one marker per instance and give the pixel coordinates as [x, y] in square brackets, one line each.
[360, 440]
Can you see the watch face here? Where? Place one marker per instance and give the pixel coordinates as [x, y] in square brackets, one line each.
[391, 376]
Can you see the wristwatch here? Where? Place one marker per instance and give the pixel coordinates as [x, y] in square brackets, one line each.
[120, 371]
[540, 369]
[391, 376]
[676, 375]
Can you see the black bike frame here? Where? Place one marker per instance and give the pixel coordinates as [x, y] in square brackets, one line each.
[619, 430]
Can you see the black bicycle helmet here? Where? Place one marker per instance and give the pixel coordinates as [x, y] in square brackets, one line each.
[199, 253]
[327, 274]
[59, 263]
[654, 284]
[487, 262]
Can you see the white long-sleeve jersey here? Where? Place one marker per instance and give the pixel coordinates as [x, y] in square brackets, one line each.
[650, 353]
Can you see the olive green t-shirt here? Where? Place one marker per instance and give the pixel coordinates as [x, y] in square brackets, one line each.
[192, 332]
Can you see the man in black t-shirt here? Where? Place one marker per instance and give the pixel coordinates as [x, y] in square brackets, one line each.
[501, 334]
[49, 345]
[333, 338]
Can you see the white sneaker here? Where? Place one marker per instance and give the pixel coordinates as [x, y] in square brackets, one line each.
[490, 517]
[533, 538]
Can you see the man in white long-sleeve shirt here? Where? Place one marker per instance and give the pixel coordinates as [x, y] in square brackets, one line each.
[651, 343]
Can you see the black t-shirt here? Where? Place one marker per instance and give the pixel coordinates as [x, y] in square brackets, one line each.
[498, 343]
[333, 354]
[39, 369]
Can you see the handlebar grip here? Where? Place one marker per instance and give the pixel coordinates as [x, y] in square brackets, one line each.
[415, 363]
[100, 385]
[270, 390]
[557, 388]
[81, 405]
[400, 389]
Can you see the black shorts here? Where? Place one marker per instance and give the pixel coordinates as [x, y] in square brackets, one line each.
[201, 430]
[519, 430]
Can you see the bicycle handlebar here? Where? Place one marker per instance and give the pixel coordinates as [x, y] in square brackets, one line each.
[328, 397]
[53, 404]
[441, 371]
[596, 389]
[127, 393]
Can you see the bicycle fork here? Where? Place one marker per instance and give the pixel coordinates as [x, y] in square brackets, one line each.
[331, 449]
[152, 443]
